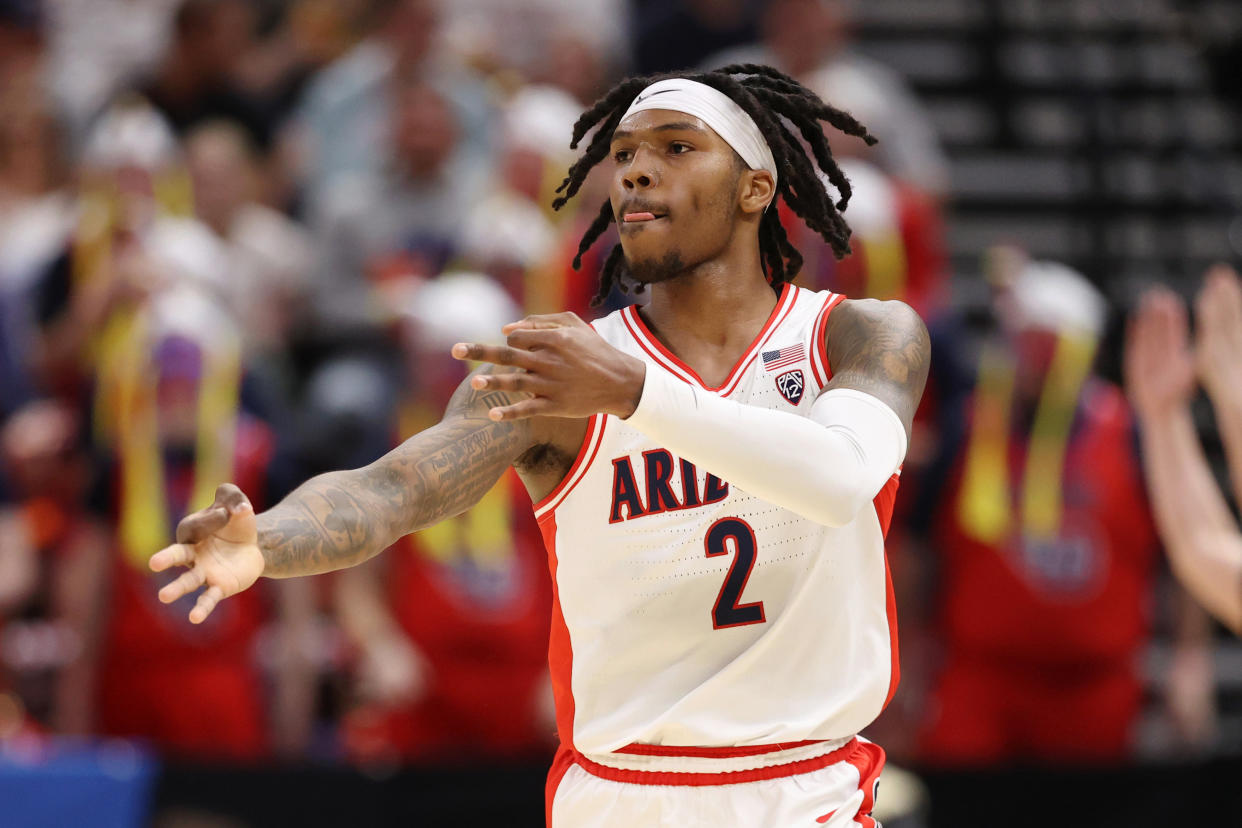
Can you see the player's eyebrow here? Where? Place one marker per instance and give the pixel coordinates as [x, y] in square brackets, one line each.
[679, 125]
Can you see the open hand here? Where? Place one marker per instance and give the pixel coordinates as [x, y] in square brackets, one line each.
[1218, 338]
[220, 545]
[567, 367]
[1160, 373]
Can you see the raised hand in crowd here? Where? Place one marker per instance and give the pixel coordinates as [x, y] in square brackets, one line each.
[1202, 539]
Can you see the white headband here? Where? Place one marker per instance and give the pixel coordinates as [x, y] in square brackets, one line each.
[717, 110]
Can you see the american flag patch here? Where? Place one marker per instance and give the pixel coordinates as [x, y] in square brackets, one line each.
[775, 360]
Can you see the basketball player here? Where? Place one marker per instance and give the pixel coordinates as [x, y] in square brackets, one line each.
[713, 475]
[1205, 547]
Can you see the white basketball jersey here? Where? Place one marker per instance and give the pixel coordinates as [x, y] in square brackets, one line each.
[688, 612]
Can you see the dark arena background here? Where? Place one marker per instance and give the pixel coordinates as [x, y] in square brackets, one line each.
[238, 237]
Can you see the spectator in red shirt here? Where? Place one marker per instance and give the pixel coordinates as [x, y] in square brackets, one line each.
[1047, 554]
[191, 690]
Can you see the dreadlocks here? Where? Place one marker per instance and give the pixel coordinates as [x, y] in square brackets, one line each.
[772, 99]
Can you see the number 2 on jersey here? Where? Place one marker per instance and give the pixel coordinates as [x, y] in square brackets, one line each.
[728, 612]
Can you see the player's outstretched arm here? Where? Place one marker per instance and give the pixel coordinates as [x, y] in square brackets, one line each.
[1202, 540]
[826, 467]
[341, 518]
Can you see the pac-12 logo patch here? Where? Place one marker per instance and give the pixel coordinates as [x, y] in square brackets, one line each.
[790, 385]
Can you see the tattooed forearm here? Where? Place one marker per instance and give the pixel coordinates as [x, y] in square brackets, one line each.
[342, 518]
[881, 348]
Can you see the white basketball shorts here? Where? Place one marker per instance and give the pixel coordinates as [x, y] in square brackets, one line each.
[806, 785]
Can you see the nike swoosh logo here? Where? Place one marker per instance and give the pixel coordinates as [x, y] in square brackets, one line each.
[642, 98]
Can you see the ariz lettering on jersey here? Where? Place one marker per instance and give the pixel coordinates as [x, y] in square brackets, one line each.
[657, 494]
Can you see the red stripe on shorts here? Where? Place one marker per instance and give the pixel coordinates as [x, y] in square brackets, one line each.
[699, 779]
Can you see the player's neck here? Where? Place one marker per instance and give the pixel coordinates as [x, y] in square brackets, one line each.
[710, 316]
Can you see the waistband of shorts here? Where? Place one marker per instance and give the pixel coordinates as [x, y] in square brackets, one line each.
[677, 765]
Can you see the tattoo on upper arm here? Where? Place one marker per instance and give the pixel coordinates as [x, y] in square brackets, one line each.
[341, 518]
[881, 348]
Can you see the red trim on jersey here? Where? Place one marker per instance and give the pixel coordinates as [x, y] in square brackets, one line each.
[698, 779]
[890, 607]
[561, 764]
[666, 358]
[560, 648]
[639, 749]
[884, 502]
[819, 363]
[591, 441]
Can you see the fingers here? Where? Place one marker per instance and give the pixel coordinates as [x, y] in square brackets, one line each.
[1156, 332]
[1224, 278]
[1144, 320]
[204, 523]
[534, 339]
[544, 322]
[1212, 299]
[530, 324]
[230, 497]
[524, 341]
[496, 354]
[206, 603]
[1219, 302]
[200, 525]
[170, 556]
[529, 383]
[1167, 318]
[184, 585]
[1218, 338]
[521, 410]
[1139, 341]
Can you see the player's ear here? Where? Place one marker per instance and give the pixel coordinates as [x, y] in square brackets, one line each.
[757, 189]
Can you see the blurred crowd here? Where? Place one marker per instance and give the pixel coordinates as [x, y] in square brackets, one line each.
[237, 238]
